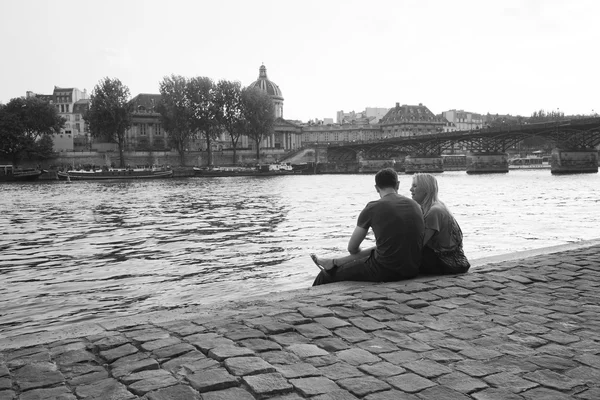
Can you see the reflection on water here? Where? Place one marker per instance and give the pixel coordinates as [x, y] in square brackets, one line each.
[76, 252]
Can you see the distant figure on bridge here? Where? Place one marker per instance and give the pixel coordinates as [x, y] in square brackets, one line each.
[397, 223]
[442, 244]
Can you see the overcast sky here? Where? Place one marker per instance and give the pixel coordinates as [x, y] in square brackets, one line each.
[506, 57]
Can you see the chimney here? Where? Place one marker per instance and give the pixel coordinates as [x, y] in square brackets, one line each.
[397, 106]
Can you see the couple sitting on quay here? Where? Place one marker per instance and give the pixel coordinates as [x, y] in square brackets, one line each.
[411, 236]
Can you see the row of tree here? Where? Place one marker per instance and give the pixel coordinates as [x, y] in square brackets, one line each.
[26, 128]
[190, 108]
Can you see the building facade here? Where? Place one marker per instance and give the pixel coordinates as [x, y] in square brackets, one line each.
[64, 99]
[464, 120]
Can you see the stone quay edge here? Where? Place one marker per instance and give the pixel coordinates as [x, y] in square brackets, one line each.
[520, 326]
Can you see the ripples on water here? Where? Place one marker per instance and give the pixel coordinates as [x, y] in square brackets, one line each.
[71, 253]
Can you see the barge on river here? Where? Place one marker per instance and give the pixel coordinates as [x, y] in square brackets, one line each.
[115, 174]
[260, 170]
[8, 173]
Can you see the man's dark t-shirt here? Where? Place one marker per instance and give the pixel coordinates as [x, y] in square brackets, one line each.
[397, 223]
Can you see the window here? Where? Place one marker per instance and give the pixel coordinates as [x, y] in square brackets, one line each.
[77, 116]
[68, 117]
[62, 108]
[67, 107]
[77, 126]
[143, 129]
[158, 129]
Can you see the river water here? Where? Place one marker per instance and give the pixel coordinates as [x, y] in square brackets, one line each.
[73, 253]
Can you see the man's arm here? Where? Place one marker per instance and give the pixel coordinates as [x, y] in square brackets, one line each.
[356, 239]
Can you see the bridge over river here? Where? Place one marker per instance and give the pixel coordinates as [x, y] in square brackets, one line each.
[575, 142]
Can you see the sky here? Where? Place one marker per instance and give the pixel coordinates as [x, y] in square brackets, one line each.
[497, 56]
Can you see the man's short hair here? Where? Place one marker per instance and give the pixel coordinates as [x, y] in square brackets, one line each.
[386, 178]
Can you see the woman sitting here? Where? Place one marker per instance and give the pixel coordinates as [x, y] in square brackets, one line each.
[442, 243]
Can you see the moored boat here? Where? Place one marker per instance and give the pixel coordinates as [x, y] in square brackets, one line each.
[8, 173]
[259, 170]
[115, 174]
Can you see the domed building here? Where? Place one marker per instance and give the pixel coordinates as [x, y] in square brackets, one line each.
[286, 135]
[271, 88]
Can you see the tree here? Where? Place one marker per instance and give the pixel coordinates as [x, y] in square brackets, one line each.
[229, 101]
[259, 115]
[110, 113]
[26, 128]
[175, 114]
[204, 110]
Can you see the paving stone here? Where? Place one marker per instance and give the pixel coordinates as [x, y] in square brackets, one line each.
[315, 312]
[142, 375]
[110, 342]
[288, 338]
[160, 343]
[404, 326]
[89, 378]
[299, 370]
[104, 389]
[378, 346]
[118, 352]
[411, 383]
[427, 368]
[591, 360]
[461, 382]
[208, 341]
[244, 333]
[4, 370]
[322, 361]
[5, 383]
[132, 358]
[345, 312]
[189, 363]
[313, 331]
[546, 394]
[331, 344]
[391, 395]
[177, 392]
[496, 394]
[357, 357]
[273, 327]
[339, 370]
[352, 334]
[441, 392]
[479, 353]
[331, 322]
[10, 395]
[552, 362]
[268, 384]
[586, 374]
[147, 335]
[57, 349]
[57, 393]
[38, 375]
[362, 386]
[590, 394]
[295, 318]
[222, 352]
[475, 368]
[336, 395]
[172, 351]
[314, 386]
[228, 394]
[129, 368]
[552, 379]
[400, 357]
[509, 381]
[260, 345]
[241, 366]
[382, 369]
[367, 324]
[307, 350]
[158, 381]
[280, 357]
[212, 379]
[182, 328]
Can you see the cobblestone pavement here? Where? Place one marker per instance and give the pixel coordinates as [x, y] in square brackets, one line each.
[524, 329]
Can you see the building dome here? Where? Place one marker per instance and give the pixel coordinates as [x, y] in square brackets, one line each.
[266, 85]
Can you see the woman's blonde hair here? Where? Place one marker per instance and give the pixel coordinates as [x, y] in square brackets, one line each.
[429, 183]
